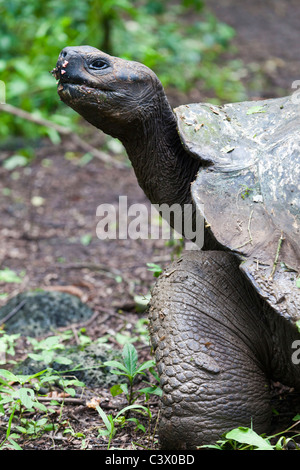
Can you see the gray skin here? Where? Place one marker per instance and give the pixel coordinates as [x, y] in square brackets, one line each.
[217, 342]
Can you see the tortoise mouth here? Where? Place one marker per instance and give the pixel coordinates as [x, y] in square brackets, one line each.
[69, 91]
[67, 82]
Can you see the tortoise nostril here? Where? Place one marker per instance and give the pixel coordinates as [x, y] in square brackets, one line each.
[64, 53]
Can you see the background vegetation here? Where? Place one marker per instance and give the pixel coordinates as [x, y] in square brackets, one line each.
[180, 40]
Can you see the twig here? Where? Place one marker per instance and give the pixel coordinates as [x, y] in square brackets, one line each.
[8, 108]
[276, 256]
[73, 328]
[69, 400]
[156, 423]
[13, 312]
[249, 232]
[91, 266]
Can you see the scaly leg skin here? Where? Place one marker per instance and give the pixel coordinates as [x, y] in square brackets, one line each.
[211, 344]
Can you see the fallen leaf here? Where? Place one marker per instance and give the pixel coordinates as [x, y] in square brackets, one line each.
[256, 109]
[93, 402]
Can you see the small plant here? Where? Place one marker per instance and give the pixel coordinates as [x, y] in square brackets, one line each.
[112, 422]
[244, 438]
[155, 268]
[245, 191]
[129, 369]
[7, 346]
[47, 350]
[18, 399]
[19, 395]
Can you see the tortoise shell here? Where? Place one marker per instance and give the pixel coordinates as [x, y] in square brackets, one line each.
[248, 189]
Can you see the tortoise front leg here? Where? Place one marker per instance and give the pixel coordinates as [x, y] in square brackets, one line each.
[209, 337]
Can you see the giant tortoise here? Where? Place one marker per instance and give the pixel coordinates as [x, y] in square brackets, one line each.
[224, 319]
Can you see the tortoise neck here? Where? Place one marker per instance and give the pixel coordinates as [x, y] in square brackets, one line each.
[163, 168]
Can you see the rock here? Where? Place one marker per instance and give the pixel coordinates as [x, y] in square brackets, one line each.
[42, 312]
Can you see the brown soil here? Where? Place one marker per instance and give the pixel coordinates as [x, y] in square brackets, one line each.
[45, 241]
[266, 41]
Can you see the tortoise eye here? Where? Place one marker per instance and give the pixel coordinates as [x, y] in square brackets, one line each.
[99, 64]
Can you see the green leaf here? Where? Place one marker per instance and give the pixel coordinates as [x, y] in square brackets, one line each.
[85, 159]
[21, 429]
[155, 268]
[41, 407]
[125, 338]
[142, 302]
[14, 444]
[131, 407]
[138, 424]
[70, 391]
[103, 432]
[145, 365]
[109, 424]
[63, 360]
[116, 364]
[154, 373]
[7, 275]
[10, 420]
[36, 357]
[7, 399]
[256, 109]
[8, 376]
[298, 282]
[151, 391]
[13, 162]
[26, 395]
[116, 390]
[130, 357]
[248, 436]
[53, 135]
[52, 342]
[124, 388]
[86, 239]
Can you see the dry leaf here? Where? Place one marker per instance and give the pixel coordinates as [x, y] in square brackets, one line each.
[93, 402]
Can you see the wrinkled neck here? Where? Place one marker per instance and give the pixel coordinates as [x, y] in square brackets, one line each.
[163, 168]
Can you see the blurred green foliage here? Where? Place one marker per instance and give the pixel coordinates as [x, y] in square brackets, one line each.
[180, 41]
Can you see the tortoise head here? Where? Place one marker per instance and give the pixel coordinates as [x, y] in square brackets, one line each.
[110, 93]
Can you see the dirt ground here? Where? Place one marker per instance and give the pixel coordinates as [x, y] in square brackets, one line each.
[45, 240]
